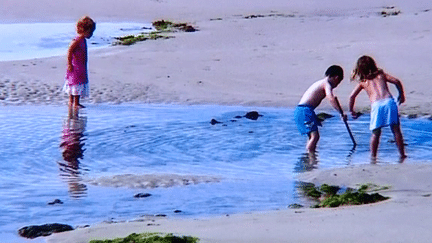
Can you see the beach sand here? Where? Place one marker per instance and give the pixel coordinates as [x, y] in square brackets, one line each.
[252, 53]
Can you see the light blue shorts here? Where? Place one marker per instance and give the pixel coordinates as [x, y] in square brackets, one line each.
[384, 113]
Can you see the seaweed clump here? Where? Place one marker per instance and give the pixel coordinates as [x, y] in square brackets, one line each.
[327, 196]
[132, 39]
[150, 238]
[165, 25]
[161, 26]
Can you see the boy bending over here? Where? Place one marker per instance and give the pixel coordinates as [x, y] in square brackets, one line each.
[304, 115]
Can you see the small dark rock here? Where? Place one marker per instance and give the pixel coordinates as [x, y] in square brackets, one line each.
[177, 211]
[253, 115]
[253, 16]
[239, 117]
[142, 195]
[322, 116]
[56, 201]
[214, 122]
[189, 29]
[34, 231]
[160, 215]
[295, 205]
[412, 116]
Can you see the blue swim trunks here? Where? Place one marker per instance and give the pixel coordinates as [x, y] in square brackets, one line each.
[306, 119]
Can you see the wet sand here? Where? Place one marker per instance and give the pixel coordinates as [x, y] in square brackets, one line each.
[249, 54]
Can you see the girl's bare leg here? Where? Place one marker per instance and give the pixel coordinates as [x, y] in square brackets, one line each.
[71, 100]
[375, 142]
[399, 140]
[312, 142]
[76, 102]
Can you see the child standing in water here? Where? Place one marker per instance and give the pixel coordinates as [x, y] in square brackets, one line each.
[384, 110]
[306, 120]
[76, 83]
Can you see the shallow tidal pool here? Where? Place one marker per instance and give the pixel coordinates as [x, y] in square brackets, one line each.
[237, 165]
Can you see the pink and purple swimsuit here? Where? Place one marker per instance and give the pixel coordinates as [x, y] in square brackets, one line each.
[76, 81]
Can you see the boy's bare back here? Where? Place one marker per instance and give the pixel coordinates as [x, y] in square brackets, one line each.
[316, 93]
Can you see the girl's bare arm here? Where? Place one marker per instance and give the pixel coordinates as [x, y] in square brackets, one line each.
[398, 84]
[352, 98]
[71, 49]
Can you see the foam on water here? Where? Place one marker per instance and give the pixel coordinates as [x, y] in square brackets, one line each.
[47, 154]
[37, 40]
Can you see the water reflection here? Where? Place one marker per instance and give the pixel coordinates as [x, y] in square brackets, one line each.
[72, 145]
[306, 162]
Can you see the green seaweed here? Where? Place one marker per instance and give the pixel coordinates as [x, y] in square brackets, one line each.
[328, 195]
[132, 39]
[150, 238]
[329, 190]
[310, 190]
[351, 198]
[165, 25]
[162, 26]
[372, 187]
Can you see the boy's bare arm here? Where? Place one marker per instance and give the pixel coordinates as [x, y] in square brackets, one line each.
[331, 97]
[398, 84]
[352, 98]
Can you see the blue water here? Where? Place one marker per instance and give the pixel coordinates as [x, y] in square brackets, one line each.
[256, 160]
[23, 41]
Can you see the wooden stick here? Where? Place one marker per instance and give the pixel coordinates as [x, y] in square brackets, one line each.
[346, 123]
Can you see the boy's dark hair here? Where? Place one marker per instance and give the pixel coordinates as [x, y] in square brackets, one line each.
[334, 71]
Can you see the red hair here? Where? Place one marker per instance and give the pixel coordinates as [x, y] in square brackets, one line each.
[85, 24]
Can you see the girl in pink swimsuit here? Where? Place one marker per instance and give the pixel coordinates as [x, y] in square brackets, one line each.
[76, 83]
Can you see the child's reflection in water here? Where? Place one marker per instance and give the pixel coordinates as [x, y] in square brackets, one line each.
[72, 143]
[306, 162]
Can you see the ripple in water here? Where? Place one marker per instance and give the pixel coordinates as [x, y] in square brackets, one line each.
[49, 153]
